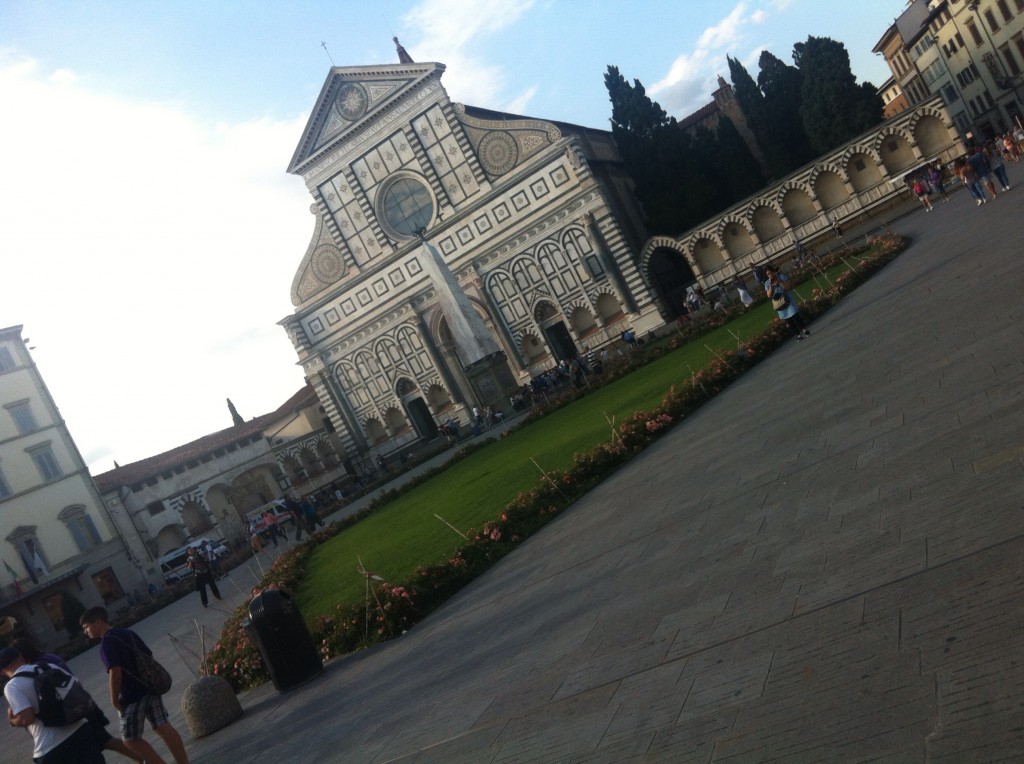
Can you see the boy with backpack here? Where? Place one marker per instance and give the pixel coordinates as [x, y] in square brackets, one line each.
[95, 716]
[133, 700]
[56, 737]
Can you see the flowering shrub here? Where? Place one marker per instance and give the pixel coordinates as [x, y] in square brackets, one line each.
[393, 608]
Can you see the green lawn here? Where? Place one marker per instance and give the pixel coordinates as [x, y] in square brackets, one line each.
[405, 534]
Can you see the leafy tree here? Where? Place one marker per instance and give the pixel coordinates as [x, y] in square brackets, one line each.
[736, 164]
[833, 107]
[680, 178]
[633, 113]
[782, 86]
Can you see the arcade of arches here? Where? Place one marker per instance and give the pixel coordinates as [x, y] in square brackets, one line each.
[852, 182]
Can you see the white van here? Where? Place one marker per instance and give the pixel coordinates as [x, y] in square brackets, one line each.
[174, 565]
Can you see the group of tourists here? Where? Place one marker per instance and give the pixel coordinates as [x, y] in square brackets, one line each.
[928, 181]
[978, 170]
[305, 514]
[66, 725]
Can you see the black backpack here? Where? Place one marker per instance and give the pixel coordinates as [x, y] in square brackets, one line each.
[62, 698]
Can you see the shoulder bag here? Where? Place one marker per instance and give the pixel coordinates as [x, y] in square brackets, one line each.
[151, 674]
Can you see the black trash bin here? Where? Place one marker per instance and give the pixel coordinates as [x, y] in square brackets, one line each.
[284, 641]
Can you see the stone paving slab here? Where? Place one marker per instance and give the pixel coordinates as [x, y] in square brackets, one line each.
[823, 564]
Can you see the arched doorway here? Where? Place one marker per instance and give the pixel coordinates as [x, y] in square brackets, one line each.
[196, 519]
[670, 275]
[416, 409]
[419, 415]
[555, 332]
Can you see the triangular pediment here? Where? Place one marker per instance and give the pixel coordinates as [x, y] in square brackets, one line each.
[353, 97]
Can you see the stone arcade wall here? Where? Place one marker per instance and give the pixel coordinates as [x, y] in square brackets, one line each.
[856, 180]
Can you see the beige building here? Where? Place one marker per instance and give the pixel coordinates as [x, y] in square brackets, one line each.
[456, 253]
[203, 488]
[893, 98]
[59, 540]
[971, 52]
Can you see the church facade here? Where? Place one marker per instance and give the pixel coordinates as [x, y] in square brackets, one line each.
[456, 253]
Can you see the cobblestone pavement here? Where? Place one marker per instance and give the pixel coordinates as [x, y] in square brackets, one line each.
[823, 564]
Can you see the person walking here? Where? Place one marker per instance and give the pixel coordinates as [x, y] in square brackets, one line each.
[270, 523]
[200, 568]
[934, 174]
[775, 287]
[980, 166]
[970, 179]
[95, 717]
[295, 509]
[131, 699]
[72, 743]
[921, 190]
[310, 516]
[995, 161]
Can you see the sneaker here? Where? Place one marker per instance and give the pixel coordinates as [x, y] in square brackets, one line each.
[980, 202]
[1006, 188]
[799, 338]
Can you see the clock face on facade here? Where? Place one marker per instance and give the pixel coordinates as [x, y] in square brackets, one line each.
[352, 101]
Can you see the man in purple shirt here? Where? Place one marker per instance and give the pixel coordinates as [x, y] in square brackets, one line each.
[132, 699]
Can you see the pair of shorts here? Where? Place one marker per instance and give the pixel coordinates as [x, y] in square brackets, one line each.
[134, 715]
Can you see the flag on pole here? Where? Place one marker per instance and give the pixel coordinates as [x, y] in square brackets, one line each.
[14, 578]
[29, 568]
[40, 566]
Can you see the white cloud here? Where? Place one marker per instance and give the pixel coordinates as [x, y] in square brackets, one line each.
[455, 32]
[521, 102]
[141, 236]
[693, 76]
[726, 32]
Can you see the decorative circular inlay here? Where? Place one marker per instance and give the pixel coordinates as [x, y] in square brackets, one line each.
[498, 152]
[328, 265]
[352, 101]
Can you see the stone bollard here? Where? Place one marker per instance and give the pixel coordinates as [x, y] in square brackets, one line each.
[209, 704]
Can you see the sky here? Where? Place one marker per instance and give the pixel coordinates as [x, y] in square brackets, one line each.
[149, 233]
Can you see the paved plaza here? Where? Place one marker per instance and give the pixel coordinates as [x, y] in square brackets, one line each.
[825, 563]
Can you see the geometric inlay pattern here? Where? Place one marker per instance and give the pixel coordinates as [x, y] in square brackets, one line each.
[327, 264]
[498, 152]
